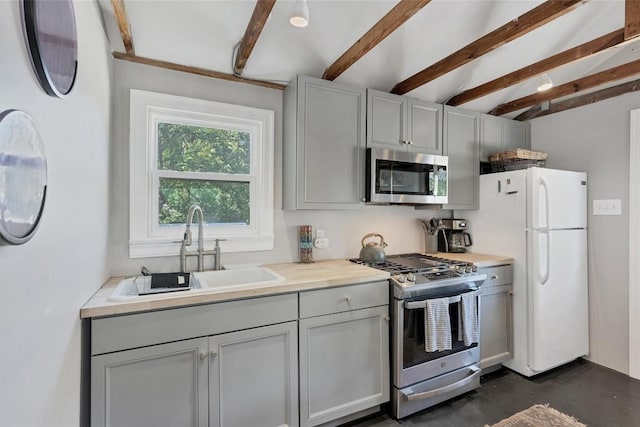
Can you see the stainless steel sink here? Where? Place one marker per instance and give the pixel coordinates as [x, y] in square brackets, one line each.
[133, 288]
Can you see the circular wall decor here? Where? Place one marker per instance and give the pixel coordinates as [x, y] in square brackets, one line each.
[50, 32]
[23, 177]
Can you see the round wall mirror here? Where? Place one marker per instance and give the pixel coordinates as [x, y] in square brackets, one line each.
[50, 30]
[23, 177]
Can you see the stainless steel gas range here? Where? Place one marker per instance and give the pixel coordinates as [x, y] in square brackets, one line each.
[435, 329]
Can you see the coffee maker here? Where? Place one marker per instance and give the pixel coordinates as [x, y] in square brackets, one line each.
[452, 236]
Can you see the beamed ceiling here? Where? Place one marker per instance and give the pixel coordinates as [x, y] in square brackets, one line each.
[484, 55]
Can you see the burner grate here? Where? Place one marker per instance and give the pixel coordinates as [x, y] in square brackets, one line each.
[430, 267]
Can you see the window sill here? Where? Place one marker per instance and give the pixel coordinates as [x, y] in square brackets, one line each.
[161, 247]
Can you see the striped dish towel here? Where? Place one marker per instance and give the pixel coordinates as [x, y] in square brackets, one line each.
[437, 326]
[468, 330]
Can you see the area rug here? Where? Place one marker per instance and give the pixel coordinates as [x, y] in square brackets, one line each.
[539, 416]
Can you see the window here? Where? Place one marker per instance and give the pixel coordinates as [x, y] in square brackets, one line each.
[188, 151]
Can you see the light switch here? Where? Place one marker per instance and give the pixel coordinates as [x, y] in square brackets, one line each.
[607, 207]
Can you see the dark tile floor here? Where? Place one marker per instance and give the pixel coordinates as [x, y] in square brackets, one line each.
[595, 395]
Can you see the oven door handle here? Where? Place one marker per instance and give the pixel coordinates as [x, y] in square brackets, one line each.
[475, 372]
[413, 305]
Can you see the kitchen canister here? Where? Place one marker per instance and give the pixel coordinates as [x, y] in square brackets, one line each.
[430, 243]
[305, 243]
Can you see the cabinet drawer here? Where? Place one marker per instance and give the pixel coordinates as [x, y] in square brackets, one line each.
[496, 276]
[155, 327]
[345, 298]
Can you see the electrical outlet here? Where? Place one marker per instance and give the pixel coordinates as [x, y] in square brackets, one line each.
[320, 242]
[607, 207]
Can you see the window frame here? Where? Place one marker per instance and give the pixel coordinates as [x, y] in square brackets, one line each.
[147, 110]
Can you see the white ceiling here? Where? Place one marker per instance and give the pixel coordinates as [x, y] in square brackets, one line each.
[203, 34]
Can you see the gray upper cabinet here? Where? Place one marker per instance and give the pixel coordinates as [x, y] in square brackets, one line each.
[401, 123]
[502, 134]
[324, 145]
[462, 145]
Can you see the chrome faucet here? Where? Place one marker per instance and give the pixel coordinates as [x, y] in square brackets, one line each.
[187, 240]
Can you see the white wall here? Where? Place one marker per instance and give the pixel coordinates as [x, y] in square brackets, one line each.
[398, 224]
[595, 139]
[44, 282]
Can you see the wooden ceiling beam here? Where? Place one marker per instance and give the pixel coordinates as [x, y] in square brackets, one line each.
[259, 17]
[579, 101]
[585, 83]
[520, 26]
[195, 70]
[397, 16]
[568, 56]
[631, 19]
[123, 24]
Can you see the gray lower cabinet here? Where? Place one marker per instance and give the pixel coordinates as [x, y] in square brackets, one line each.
[344, 357]
[462, 145]
[323, 145]
[253, 377]
[496, 317]
[201, 382]
[281, 360]
[164, 384]
[402, 123]
[210, 365]
[502, 134]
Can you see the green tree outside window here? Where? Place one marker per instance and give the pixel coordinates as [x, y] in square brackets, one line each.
[185, 148]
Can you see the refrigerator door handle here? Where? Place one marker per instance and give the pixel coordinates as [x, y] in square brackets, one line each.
[543, 184]
[544, 277]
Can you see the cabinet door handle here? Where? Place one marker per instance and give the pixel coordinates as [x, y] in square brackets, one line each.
[203, 355]
[494, 277]
[348, 300]
[213, 354]
[387, 318]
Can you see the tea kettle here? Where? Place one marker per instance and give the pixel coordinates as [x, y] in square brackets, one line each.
[373, 252]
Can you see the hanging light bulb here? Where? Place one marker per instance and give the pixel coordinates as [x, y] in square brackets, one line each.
[544, 83]
[299, 14]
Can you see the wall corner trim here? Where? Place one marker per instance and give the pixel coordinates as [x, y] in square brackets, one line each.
[634, 245]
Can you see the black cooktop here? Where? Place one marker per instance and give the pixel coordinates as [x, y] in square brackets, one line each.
[413, 263]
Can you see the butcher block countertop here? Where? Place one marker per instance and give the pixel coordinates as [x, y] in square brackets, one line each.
[299, 277]
[481, 260]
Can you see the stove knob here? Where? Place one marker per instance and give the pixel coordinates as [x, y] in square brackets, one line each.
[467, 269]
[474, 268]
[411, 277]
[400, 278]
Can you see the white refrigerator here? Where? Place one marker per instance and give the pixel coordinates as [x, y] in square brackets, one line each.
[538, 217]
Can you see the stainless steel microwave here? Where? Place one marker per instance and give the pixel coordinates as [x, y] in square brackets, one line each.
[401, 177]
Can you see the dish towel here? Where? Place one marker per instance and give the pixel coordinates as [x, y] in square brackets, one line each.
[437, 326]
[468, 330]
